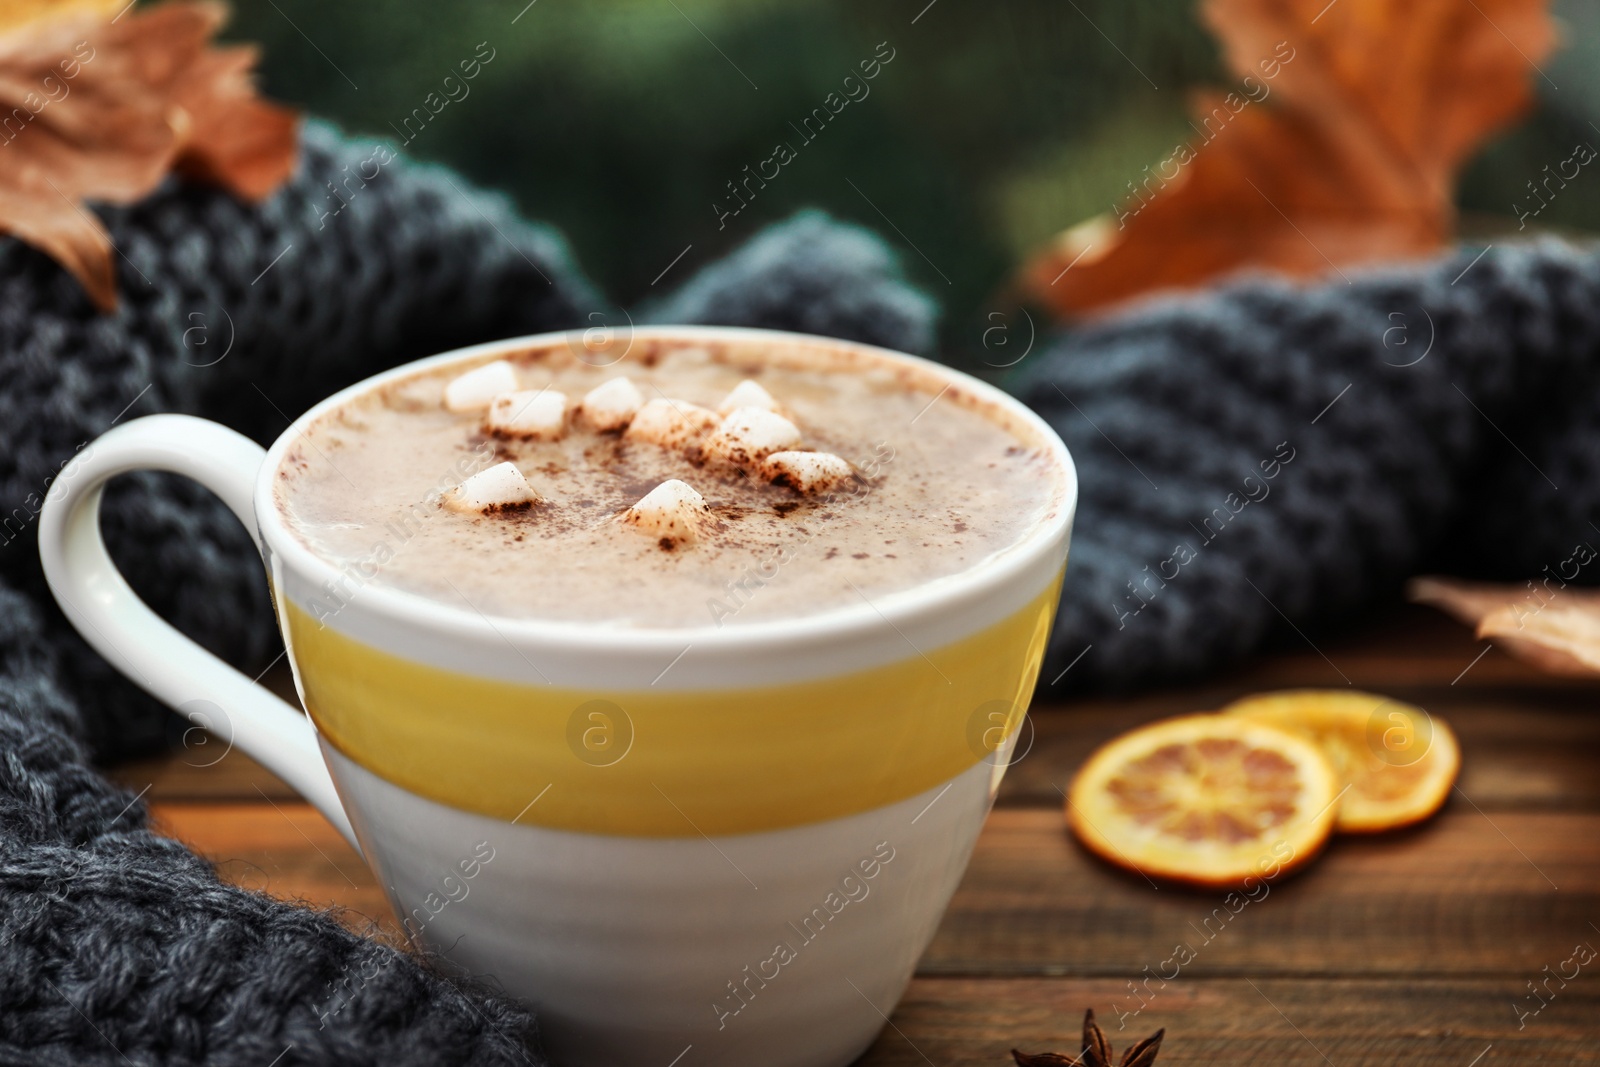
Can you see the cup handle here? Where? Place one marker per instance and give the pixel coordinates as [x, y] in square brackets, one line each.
[137, 641]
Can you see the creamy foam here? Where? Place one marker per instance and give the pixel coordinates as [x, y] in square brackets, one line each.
[944, 481]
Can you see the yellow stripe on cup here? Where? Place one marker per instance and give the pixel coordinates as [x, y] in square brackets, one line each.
[673, 764]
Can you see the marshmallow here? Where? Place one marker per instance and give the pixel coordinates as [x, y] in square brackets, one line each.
[750, 434]
[612, 405]
[672, 512]
[670, 423]
[499, 488]
[537, 413]
[476, 389]
[807, 472]
[747, 394]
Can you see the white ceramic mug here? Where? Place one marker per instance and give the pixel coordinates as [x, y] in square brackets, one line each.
[739, 860]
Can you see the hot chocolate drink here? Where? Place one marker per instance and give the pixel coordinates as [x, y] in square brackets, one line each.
[664, 484]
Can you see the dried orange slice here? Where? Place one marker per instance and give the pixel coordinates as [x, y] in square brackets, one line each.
[1398, 761]
[1207, 799]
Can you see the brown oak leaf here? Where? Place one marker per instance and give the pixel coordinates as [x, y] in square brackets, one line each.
[1339, 146]
[99, 106]
[1557, 630]
[237, 140]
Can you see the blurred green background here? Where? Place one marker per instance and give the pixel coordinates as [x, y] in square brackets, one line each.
[993, 127]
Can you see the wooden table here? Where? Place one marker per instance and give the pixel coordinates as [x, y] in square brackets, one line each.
[1418, 948]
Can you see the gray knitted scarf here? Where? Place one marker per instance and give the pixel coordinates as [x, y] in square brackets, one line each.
[1260, 456]
[120, 946]
[1259, 462]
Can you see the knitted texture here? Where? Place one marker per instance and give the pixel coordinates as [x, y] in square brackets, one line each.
[248, 315]
[1275, 454]
[120, 946]
[810, 275]
[1256, 457]
[117, 945]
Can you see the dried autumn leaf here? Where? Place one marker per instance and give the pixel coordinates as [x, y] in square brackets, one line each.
[1555, 630]
[1340, 146]
[236, 139]
[95, 107]
[14, 13]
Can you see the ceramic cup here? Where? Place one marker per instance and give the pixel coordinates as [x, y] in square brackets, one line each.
[715, 845]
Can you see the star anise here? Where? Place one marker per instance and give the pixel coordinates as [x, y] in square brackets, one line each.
[1096, 1051]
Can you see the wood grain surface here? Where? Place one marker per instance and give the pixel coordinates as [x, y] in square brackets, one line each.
[1412, 948]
